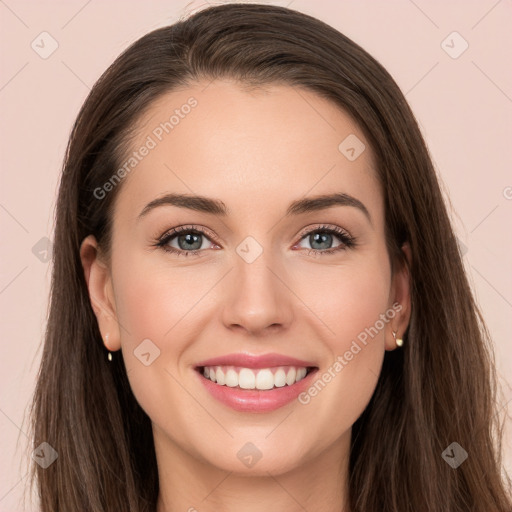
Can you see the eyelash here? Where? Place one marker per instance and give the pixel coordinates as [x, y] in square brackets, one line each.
[347, 241]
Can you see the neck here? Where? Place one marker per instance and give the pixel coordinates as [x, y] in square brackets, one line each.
[190, 484]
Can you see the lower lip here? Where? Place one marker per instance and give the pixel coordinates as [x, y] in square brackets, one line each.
[254, 400]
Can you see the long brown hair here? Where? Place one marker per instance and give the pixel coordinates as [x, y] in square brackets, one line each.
[438, 389]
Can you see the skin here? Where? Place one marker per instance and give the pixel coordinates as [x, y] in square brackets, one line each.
[256, 151]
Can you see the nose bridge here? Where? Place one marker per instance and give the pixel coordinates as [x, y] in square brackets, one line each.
[259, 299]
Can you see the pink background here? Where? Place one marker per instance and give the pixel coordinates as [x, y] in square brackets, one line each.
[463, 104]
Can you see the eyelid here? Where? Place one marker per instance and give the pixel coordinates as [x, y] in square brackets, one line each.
[320, 227]
[187, 228]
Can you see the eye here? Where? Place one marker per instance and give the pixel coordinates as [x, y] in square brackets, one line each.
[189, 240]
[322, 237]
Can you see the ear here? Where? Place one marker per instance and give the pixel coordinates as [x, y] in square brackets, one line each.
[400, 296]
[101, 294]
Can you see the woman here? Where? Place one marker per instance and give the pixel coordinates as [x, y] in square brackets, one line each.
[198, 355]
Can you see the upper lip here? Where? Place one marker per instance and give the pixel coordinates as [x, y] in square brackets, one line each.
[246, 360]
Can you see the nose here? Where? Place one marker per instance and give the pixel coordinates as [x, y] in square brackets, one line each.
[259, 300]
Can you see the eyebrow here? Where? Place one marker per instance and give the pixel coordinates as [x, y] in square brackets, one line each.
[217, 207]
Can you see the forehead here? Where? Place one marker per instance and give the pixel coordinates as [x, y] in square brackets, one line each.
[251, 148]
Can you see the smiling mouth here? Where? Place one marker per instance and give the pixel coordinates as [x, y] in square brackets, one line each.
[261, 379]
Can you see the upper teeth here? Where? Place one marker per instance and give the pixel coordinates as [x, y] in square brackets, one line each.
[247, 378]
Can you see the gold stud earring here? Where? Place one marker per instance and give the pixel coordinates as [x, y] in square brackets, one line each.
[399, 341]
[109, 356]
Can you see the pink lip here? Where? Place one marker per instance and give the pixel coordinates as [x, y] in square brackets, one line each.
[254, 400]
[255, 361]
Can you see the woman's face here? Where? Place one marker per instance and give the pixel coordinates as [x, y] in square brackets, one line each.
[269, 275]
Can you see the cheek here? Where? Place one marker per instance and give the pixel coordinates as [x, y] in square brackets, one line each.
[352, 301]
[158, 310]
[157, 301]
[345, 299]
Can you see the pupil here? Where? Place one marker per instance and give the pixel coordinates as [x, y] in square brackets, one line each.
[322, 237]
